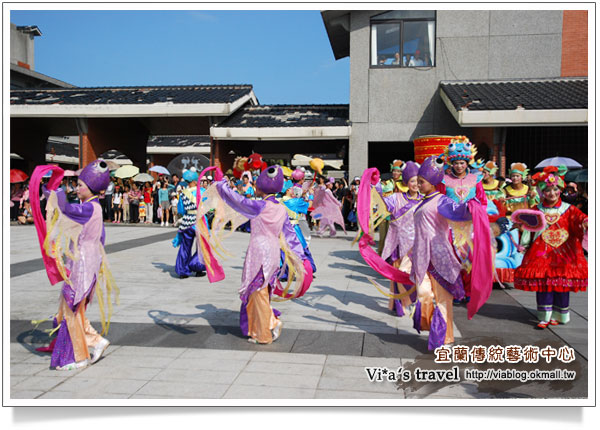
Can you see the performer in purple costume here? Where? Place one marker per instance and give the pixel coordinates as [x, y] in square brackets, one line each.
[327, 209]
[400, 236]
[269, 220]
[433, 255]
[77, 343]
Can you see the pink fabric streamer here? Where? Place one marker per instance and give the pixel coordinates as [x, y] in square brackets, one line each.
[38, 219]
[363, 209]
[217, 274]
[481, 273]
[308, 278]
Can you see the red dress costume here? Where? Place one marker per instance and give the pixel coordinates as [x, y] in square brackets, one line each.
[555, 260]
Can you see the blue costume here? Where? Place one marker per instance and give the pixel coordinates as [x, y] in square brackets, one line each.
[188, 263]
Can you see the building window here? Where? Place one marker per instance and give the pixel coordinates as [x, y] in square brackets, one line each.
[403, 38]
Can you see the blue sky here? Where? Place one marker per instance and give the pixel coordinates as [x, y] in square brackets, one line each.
[285, 55]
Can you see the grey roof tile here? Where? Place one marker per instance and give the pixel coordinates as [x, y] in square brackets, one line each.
[559, 93]
[131, 95]
[288, 116]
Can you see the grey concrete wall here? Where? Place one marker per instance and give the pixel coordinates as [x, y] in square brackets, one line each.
[21, 47]
[401, 104]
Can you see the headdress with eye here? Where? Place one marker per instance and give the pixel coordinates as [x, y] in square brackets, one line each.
[102, 166]
[272, 172]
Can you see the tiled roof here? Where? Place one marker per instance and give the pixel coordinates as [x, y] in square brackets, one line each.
[131, 95]
[288, 116]
[179, 141]
[510, 95]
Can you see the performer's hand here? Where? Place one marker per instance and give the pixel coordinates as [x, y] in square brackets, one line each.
[218, 174]
[584, 224]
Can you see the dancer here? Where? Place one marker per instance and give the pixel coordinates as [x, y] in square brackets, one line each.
[554, 264]
[297, 207]
[401, 233]
[393, 185]
[433, 255]
[492, 188]
[77, 231]
[270, 232]
[327, 209]
[188, 264]
[462, 186]
[518, 194]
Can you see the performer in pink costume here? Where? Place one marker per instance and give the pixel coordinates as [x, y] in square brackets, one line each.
[77, 230]
[271, 231]
[433, 255]
[462, 186]
[327, 209]
[400, 236]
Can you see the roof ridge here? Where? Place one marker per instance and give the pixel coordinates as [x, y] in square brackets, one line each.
[139, 87]
[299, 105]
[478, 81]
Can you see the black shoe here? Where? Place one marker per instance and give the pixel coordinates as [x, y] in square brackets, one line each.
[200, 274]
[183, 276]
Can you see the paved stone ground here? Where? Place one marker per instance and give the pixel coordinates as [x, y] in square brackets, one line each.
[177, 338]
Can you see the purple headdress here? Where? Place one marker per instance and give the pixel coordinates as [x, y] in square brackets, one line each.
[270, 180]
[432, 170]
[96, 175]
[410, 169]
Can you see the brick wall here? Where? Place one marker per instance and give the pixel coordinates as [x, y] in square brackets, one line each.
[575, 43]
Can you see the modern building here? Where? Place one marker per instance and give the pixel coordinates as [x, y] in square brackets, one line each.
[515, 82]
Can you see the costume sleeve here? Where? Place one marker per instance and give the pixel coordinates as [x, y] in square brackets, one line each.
[533, 201]
[80, 213]
[480, 194]
[576, 218]
[248, 208]
[390, 201]
[292, 239]
[297, 205]
[452, 210]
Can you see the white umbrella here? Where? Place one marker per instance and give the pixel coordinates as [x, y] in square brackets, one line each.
[557, 161]
[143, 177]
[127, 171]
[160, 170]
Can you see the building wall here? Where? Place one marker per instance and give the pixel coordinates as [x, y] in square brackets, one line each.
[21, 47]
[398, 105]
[575, 43]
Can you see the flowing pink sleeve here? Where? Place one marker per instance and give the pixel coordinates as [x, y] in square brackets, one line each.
[38, 219]
[480, 194]
[363, 206]
[481, 273]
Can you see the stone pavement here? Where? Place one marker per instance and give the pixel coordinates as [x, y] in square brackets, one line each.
[177, 338]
